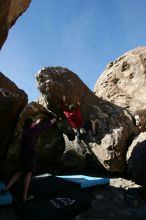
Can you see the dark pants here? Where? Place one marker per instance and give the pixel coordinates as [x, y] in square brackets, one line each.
[27, 164]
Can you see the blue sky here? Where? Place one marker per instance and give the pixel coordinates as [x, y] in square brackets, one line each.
[82, 35]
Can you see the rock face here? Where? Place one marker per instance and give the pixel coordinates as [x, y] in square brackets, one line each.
[53, 83]
[12, 101]
[10, 10]
[124, 83]
[136, 159]
[113, 124]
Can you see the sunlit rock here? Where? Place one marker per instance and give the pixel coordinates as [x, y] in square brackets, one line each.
[124, 84]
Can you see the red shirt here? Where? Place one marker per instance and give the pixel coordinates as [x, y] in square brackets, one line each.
[74, 117]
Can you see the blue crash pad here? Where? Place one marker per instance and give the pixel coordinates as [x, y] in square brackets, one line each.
[6, 198]
[86, 181]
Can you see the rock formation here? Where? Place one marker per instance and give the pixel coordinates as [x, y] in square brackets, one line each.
[10, 10]
[12, 101]
[124, 83]
[136, 159]
[114, 125]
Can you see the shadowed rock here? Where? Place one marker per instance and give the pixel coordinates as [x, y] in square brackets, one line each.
[136, 159]
[12, 101]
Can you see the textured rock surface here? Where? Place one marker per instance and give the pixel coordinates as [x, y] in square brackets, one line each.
[10, 10]
[12, 101]
[136, 159]
[114, 125]
[54, 82]
[124, 83]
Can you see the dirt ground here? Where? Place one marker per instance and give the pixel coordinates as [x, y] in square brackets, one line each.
[120, 200]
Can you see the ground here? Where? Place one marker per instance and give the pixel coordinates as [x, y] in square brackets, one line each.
[120, 200]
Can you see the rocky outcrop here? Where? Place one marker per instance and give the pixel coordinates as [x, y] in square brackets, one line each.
[54, 82]
[124, 84]
[113, 124]
[10, 10]
[136, 159]
[12, 101]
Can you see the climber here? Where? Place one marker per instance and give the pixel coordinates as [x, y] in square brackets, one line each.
[73, 114]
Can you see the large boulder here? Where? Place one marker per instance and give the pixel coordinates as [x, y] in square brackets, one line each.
[124, 84]
[10, 10]
[136, 159]
[113, 124]
[12, 101]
